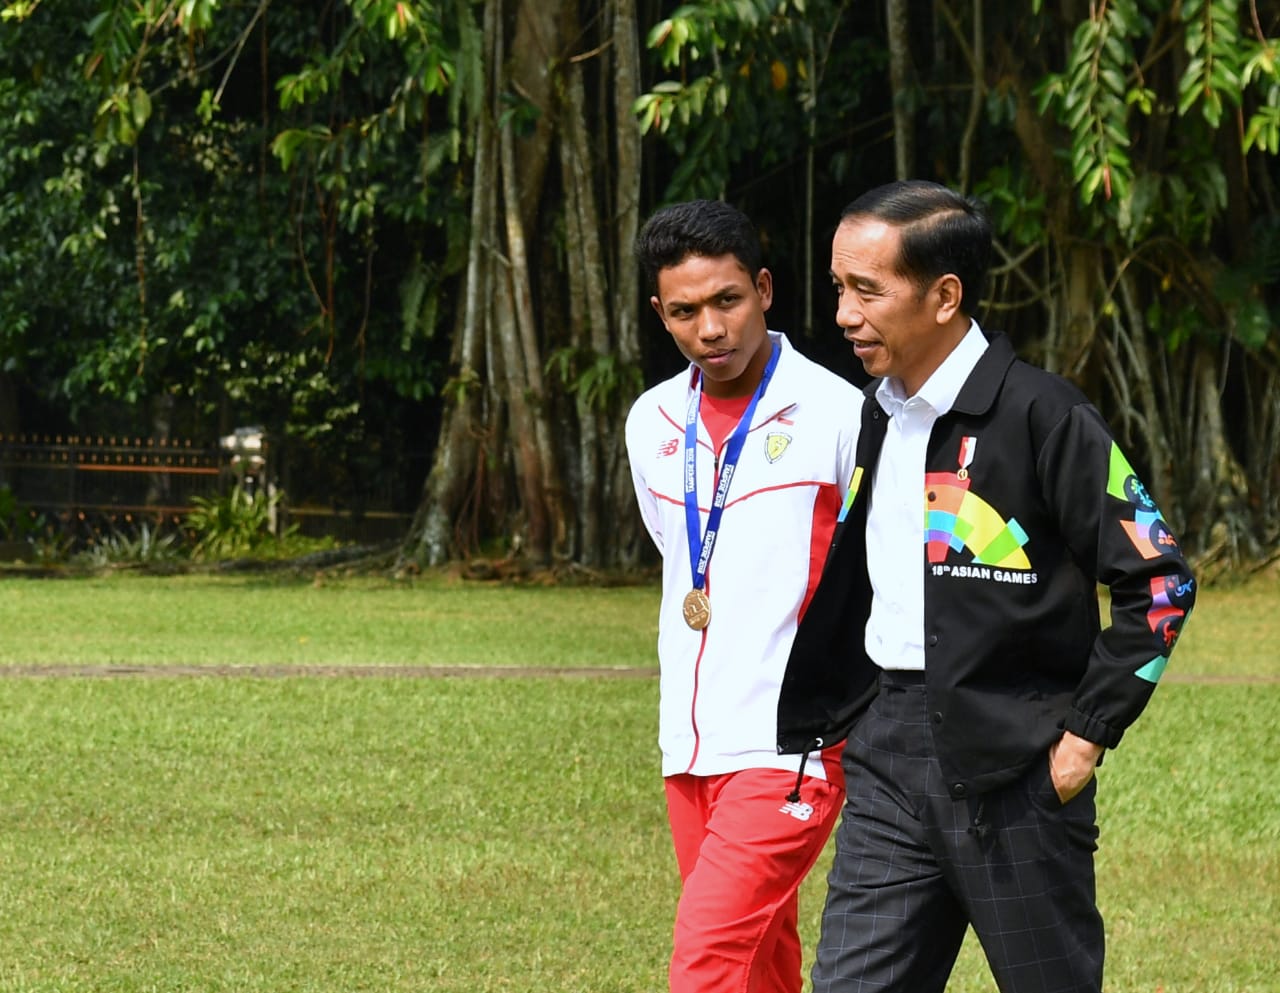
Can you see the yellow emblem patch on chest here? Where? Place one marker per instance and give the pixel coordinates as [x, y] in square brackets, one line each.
[775, 444]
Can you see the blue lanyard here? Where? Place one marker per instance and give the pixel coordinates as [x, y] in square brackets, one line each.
[700, 550]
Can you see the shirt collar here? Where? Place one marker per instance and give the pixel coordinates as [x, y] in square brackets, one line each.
[941, 389]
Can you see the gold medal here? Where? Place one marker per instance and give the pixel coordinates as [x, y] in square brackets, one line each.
[697, 609]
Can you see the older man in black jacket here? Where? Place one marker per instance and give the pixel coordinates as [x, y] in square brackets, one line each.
[955, 635]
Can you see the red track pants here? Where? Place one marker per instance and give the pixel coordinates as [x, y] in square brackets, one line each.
[743, 851]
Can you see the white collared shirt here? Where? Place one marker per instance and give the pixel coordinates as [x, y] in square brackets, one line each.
[896, 515]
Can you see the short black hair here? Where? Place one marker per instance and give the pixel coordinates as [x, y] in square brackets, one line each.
[942, 232]
[708, 228]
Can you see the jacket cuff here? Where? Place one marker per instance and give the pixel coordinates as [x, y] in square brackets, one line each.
[1093, 728]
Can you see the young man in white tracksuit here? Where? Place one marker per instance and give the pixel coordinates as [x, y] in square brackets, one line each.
[741, 465]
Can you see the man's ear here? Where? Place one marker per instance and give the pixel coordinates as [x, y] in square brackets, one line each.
[949, 293]
[656, 304]
[764, 287]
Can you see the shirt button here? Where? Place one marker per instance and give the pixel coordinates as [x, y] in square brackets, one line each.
[933, 640]
[937, 717]
[958, 791]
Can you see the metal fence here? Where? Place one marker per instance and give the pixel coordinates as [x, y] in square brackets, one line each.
[81, 486]
[84, 482]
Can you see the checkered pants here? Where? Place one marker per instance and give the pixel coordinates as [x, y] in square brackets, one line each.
[913, 868]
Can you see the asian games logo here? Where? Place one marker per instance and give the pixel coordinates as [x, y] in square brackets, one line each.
[957, 519]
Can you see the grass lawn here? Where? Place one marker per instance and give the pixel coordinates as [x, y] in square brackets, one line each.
[495, 834]
[139, 620]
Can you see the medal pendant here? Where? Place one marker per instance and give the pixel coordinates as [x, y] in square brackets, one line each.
[697, 610]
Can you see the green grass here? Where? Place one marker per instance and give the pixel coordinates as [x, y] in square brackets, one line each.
[203, 620]
[330, 834]
[495, 834]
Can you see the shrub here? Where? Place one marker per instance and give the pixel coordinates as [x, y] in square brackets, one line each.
[147, 547]
[232, 525]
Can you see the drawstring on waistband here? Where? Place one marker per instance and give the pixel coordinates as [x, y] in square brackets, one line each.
[794, 795]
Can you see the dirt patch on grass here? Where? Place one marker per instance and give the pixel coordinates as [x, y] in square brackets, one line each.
[429, 672]
[343, 671]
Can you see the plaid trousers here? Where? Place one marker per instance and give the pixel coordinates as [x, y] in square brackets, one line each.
[914, 867]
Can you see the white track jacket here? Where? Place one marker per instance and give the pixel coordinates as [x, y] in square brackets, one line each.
[719, 686]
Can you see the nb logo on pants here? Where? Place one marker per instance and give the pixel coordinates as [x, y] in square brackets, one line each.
[800, 811]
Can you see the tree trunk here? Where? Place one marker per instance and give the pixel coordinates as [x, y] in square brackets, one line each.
[433, 535]
[900, 81]
[591, 313]
[534, 53]
[1221, 490]
[1132, 370]
[625, 535]
[978, 64]
[1262, 435]
[626, 61]
[535, 464]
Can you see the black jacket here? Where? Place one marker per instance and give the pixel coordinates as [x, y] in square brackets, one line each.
[1016, 546]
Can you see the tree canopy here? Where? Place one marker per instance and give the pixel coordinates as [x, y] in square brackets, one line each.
[391, 230]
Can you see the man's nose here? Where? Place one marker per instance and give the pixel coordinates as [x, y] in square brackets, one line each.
[710, 325]
[848, 312]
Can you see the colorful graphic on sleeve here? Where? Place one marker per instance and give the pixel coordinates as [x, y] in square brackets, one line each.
[854, 483]
[1150, 535]
[956, 518]
[1170, 597]
[1147, 531]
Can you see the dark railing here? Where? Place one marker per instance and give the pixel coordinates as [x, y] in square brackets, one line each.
[82, 486]
[73, 479]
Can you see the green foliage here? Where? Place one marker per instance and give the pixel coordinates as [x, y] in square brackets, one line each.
[260, 211]
[155, 251]
[1094, 94]
[1104, 84]
[1212, 79]
[1017, 207]
[17, 523]
[1241, 289]
[233, 525]
[18, 10]
[53, 546]
[1143, 133]
[1262, 69]
[603, 381]
[397, 59]
[146, 545]
[748, 72]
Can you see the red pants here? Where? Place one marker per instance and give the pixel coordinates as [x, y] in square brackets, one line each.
[743, 852]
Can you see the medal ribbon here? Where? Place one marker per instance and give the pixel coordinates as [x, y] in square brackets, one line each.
[700, 551]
